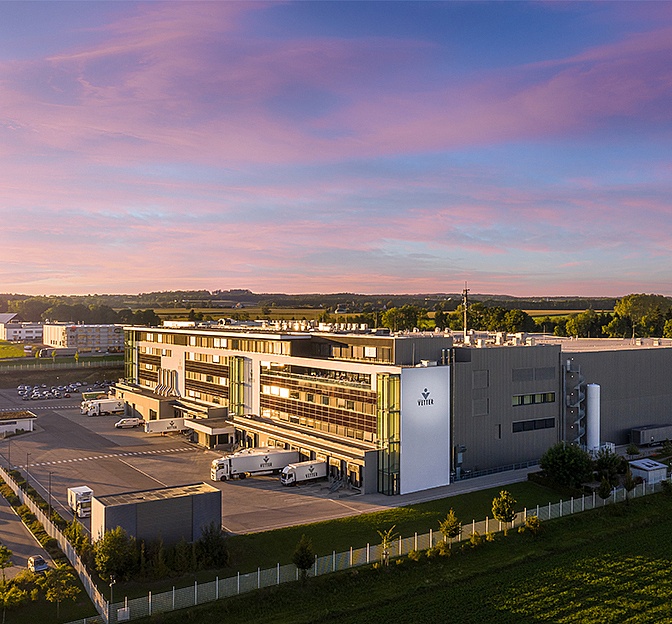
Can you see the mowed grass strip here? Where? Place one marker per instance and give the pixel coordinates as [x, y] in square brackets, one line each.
[269, 548]
[609, 565]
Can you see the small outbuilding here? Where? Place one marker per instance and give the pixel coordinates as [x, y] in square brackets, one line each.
[170, 514]
[648, 470]
[12, 423]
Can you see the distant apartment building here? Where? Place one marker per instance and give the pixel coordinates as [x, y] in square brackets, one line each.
[84, 338]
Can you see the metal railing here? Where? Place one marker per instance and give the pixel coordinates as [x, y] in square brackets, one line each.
[40, 365]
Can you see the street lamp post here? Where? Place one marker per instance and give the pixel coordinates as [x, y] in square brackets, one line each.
[50, 473]
[109, 615]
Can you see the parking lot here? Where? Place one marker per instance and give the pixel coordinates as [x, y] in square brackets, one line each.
[68, 449]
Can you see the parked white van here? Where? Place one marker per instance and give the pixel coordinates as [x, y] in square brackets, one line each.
[125, 423]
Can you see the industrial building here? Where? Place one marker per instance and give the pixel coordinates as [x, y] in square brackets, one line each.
[169, 514]
[395, 412]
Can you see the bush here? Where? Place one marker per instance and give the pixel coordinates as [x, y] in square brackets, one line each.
[475, 539]
[415, 555]
[567, 465]
[533, 525]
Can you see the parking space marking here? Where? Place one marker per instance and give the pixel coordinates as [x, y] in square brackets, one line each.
[75, 459]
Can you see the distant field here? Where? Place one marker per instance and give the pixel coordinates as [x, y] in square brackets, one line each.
[558, 313]
[251, 313]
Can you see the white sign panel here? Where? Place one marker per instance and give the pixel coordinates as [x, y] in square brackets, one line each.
[425, 428]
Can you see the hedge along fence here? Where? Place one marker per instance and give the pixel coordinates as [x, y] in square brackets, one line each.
[52, 530]
[186, 597]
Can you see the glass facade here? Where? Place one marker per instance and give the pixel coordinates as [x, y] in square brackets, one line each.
[389, 412]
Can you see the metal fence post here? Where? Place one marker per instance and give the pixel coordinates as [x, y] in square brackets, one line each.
[173, 597]
[277, 576]
[315, 572]
[149, 602]
[549, 510]
[350, 556]
[368, 553]
[217, 587]
[401, 546]
[560, 508]
[415, 541]
[333, 561]
[259, 578]
[430, 538]
[487, 524]
[195, 592]
[238, 582]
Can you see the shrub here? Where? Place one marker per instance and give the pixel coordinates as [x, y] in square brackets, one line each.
[415, 555]
[475, 539]
[533, 525]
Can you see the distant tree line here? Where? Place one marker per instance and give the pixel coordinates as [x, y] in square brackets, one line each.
[40, 309]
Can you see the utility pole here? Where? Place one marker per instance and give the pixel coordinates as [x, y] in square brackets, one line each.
[465, 306]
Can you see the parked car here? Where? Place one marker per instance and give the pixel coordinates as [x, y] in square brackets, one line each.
[36, 563]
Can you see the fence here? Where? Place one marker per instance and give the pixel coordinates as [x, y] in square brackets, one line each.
[185, 597]
[52, 530]
[42, 365]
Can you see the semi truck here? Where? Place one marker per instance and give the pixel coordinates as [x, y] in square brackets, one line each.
[302, 472]
[105, 406]
[79, 500]
[252, 461]
[651, 434]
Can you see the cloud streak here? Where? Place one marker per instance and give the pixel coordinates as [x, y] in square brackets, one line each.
[183, 145]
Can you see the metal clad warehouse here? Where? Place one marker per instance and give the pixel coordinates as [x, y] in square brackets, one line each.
[169, 514]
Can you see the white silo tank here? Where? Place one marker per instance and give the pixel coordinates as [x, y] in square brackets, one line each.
[593, 416]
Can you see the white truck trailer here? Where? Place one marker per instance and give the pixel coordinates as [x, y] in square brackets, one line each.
[253, 461]
[163, 425]
[105, 406]
[79, 500]
[302, 472]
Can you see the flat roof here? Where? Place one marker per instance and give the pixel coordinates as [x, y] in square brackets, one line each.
[141, 496]
[647, 464]
[574, 345]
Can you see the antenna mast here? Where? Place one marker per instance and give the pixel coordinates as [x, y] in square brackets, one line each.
[465, 306]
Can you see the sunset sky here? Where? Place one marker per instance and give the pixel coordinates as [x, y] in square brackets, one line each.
[369, 147]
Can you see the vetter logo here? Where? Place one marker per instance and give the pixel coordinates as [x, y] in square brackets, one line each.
[266, 463]
[425, 400]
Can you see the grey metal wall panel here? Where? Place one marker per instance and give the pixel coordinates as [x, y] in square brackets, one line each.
[206, 509]
[123, 516]
[636, 388]
[489, 437]
[168, 519]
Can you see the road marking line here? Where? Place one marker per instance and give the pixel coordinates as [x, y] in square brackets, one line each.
[144, 473]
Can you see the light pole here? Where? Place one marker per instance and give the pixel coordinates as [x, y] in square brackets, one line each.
[50, 473]
[109, 615]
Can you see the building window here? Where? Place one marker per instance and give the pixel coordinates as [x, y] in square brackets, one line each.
[533, 425]
[533, 399]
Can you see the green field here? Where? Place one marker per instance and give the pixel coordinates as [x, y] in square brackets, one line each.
[608, 566]
[11, 350]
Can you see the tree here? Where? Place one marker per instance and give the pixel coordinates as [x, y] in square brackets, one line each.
[115, 554]
[5, 560]
[211, 548]
[567, 465]
[645, 314]
[608, 464]
[304, 557]
[503, 508]
[451, 527]
[11, 597]
[386, 541]
[604, 491]
[629, 483]
[632, 449]
[59, 585]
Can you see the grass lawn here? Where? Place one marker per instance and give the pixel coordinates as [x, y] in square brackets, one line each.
[267, 549]
[11, 350]
[607, 566]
